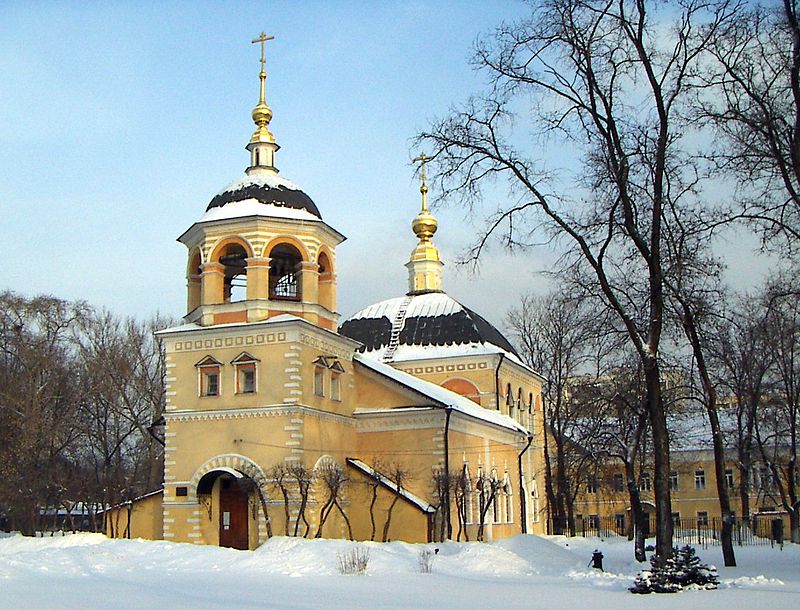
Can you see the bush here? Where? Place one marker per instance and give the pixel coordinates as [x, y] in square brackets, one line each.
[354, 561]
[426, 561]
[683, 570]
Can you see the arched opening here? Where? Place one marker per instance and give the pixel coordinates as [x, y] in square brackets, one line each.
[193, 281]
[509, 400]
[233, 258]
[284, 273]
[326, 292]
[233, 516]
[463, 387]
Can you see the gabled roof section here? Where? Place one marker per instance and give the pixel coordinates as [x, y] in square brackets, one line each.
[209, 361]
[439, 396]
[244, 357]
[387, 483]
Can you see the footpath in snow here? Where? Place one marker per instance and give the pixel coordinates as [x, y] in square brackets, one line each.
[91, 571]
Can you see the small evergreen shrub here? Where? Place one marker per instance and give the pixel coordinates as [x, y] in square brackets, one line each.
[683, 570]
[354, 561]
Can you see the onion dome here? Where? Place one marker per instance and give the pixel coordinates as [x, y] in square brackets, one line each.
[420, 326]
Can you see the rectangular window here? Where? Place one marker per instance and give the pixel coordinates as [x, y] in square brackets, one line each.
[246, 378]
[594, 522]
[619, 482]
[619, 522]
[210, 381]
[699, 479]
[336, 386]
[729, 482]
[676, 520]
[645, 483]
[591, 485]
[702, 518]
[673, 480]
[319, 382]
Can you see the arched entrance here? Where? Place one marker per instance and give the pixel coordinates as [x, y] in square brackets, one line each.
[234, 494]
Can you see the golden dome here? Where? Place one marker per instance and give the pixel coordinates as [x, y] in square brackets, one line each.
[424, 225]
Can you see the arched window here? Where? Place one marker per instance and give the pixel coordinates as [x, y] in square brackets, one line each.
[520, 404]
[508, 493]
[509, 400]
[284, 273]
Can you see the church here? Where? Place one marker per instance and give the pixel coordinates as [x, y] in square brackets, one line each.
[414, 419]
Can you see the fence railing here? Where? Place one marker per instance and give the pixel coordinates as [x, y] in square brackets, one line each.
[756, 530]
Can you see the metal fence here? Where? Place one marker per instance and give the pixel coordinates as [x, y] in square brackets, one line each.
[757, 530]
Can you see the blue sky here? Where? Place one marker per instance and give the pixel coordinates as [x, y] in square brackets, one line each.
[121, 120]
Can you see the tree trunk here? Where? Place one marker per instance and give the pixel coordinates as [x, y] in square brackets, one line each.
[661, 491]
[726, 536]
[637, 514]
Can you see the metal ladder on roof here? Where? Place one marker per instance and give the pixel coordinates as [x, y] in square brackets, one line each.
[397, 326]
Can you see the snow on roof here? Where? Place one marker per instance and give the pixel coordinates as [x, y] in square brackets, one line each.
[267, 179]
[433, 325]
[389, 484]
[253, 207]
[284, 317]
[424, 305]
[442, 396]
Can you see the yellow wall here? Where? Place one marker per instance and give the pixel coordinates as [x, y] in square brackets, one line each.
[141, 518]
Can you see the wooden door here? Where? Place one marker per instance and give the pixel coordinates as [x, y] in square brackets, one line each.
[232, 515]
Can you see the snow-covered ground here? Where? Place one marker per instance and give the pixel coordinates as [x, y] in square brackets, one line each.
[90, 571]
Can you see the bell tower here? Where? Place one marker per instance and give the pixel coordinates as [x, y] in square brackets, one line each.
[261, 249]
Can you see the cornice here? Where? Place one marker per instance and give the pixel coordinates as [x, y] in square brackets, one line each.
[257, 412]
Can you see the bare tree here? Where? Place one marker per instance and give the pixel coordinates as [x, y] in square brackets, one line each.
[487, 486]
[742, 358]
[39, 399]
[751, 94]
[333, 479]
[614, 428]
[609, 80]
[303, 478]
[556, 336]
[398, 476]
[279, 477]
[777, 425]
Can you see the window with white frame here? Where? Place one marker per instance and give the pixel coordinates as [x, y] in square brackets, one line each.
[245, 372]
[337, 370]
[729, 481]
[319, 381]
[208, 377]
[700, 479]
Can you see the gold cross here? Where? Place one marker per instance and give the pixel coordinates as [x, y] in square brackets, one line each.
[262, 38]
[422, 158]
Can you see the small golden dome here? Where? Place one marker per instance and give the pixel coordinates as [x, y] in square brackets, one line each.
[262, 114]
[424, 225]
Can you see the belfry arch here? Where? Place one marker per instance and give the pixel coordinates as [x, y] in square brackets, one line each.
[285, 273]
[327, 281]
[194, 274]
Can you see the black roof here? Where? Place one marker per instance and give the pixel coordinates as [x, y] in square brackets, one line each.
[458, 328]
[266, 193]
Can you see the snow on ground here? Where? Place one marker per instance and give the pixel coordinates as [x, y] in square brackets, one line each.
[90, 571]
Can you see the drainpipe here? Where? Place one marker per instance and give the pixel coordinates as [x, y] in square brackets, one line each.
[448, 411]
[497, 380]
[523, 499]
